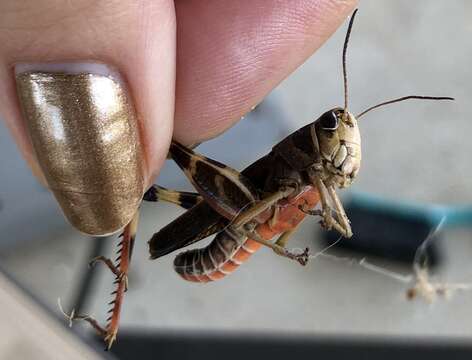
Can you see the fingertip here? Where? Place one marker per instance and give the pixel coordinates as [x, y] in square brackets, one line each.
[244, 50]
[138, 39]
[97, 137]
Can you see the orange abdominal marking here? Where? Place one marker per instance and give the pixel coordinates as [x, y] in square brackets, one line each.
[226, 253]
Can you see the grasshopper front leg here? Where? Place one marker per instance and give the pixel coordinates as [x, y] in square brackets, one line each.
[340, 222]
[340, 212]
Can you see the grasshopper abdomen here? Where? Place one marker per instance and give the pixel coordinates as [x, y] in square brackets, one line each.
[230, 249]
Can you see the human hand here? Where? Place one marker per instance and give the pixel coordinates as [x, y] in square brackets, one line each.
[214, 60]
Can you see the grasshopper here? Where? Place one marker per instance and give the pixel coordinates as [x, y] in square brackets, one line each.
[247, 210]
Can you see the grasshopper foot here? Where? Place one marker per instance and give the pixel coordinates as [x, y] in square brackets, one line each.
[301, 258]
[107, 262]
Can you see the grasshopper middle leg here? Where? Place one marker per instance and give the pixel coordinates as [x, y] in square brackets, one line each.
[241, 222]
[261, 206]
[302, 258]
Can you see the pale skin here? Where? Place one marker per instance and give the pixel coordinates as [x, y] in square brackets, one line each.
[194, 67]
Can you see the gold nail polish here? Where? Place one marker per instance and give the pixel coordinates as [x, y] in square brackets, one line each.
[84, 131]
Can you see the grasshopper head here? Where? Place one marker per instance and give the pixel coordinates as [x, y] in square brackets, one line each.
[336, 136]
[339, 143]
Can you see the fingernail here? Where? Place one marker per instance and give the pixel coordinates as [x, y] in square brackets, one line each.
[84, 131]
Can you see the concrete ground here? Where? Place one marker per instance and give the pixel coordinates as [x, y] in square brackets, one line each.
[415, 151]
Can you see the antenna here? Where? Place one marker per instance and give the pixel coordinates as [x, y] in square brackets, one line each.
[404, 98]
[346, 41]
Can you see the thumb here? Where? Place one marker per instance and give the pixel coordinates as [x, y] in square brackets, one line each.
[89, 99]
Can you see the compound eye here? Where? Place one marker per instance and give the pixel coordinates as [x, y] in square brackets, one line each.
[329, 121]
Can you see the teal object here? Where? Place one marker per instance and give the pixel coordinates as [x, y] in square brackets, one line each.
[454, 216]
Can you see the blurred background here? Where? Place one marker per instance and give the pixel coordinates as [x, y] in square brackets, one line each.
[416, 153]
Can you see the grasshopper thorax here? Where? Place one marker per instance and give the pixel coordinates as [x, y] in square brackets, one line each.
[339, 146]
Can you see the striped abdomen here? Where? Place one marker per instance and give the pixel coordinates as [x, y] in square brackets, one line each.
[228, 250]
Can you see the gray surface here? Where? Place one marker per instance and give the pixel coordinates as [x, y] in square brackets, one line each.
[28, 332]
[416, 151]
